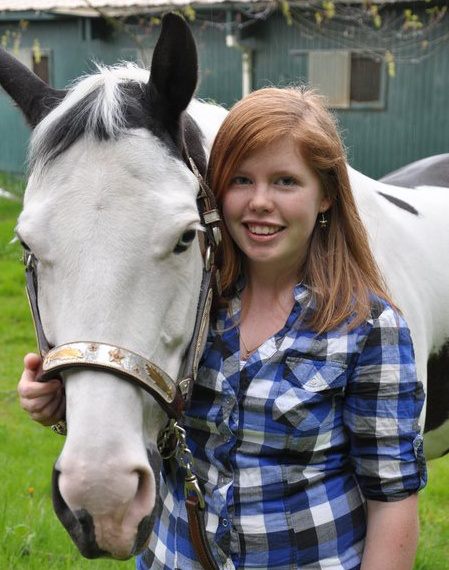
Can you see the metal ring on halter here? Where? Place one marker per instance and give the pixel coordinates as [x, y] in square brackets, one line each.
[172, 443]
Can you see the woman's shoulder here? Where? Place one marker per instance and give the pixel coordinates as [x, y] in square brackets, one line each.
[383, 319]
[383, 313]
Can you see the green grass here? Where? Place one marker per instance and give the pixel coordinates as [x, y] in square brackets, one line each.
[31, 538]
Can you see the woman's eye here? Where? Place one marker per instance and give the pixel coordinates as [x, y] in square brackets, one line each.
[184, 241]
[286, 181]
[240, 181]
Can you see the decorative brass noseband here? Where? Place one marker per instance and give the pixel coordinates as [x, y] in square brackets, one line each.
[84, 354]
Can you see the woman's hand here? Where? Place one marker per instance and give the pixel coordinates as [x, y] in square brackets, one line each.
[44, 401]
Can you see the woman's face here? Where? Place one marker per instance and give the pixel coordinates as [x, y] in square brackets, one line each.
[271, 206]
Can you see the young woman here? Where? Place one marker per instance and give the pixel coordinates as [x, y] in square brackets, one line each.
[303, 422]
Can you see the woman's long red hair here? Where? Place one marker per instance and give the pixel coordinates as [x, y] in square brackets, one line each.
[340, 268]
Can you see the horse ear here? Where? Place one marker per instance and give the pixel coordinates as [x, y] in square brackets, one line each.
[34, 97]
[174, 68]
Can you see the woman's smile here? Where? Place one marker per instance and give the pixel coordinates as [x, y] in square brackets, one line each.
[257, 230]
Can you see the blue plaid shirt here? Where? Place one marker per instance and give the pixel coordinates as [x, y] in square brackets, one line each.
[289, 444]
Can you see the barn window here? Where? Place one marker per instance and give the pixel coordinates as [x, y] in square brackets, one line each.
[348, 79]
[41, 68]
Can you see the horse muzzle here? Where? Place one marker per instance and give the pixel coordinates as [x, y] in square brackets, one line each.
[119, 531]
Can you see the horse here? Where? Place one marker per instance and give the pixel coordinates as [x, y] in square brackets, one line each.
[111, 218]
[430, 171]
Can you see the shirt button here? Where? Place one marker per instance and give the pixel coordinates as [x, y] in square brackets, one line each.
[224, 522]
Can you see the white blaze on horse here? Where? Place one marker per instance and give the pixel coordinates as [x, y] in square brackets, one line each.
[109, 214]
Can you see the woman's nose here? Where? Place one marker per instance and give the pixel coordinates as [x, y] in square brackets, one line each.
[261, 200]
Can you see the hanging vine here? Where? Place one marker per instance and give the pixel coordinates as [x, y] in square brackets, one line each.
[406, 36]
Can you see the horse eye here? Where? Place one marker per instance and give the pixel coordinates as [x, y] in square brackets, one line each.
[184, 241]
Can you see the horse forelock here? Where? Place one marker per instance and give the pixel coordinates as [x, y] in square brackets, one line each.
[102, 105]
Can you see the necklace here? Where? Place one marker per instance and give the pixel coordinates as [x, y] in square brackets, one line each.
[248, 351]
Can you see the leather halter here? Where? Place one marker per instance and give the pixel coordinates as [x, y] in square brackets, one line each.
[173, 395]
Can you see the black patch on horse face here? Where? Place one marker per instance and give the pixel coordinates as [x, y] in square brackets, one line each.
[146, 525]
[400, 203]
[137, 114]
[437, 389]
[79, 525]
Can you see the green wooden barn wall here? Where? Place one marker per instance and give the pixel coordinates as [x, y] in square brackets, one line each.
[413, 124]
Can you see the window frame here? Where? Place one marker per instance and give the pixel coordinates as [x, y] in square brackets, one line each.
[379, 104]
[26, 56]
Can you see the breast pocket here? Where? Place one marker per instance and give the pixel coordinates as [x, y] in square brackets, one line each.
[309, 393]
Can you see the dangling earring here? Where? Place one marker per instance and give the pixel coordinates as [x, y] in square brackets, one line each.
[323, 221]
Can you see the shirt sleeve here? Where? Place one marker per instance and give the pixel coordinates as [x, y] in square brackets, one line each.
[382, 405]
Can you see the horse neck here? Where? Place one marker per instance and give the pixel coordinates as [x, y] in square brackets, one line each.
[208, 118]
[365, 193]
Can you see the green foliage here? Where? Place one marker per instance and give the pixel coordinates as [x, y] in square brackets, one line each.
[31, 538]
[189, 13]
[391, 64]
[11, 38]
[37, 52]
[285, 9]
[377, 20]
[411, 21]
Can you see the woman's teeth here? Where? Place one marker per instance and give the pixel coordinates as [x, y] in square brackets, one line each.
[263, 230]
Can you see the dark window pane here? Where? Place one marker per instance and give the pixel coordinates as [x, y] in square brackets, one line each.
[41, 68]
[365, 78]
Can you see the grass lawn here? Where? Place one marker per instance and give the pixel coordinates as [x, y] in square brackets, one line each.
[31, 538]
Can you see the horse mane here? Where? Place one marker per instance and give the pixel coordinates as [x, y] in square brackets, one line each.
[103, 105]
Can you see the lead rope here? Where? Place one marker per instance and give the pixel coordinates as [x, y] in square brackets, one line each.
[172, 444]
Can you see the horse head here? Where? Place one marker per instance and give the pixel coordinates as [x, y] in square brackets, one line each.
[110, 216]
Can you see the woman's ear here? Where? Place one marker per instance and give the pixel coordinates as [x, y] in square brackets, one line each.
[326, 203]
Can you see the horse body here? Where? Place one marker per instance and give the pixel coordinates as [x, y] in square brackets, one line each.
[401, 224]
[108, 201]
[430, 171]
